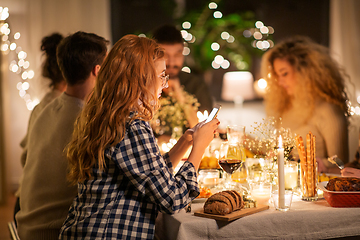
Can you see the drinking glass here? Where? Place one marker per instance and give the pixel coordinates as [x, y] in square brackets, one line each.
[287, 200]
[231, 159]
[235, 134]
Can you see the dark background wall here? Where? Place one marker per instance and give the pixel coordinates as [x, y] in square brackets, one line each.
[287, 17]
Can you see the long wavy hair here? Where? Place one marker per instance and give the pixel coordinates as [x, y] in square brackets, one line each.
[125, 84]
[317, 76]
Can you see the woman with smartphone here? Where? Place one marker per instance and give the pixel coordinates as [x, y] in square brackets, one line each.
[123, 180]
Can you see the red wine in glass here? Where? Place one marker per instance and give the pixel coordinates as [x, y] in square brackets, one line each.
[230, 165]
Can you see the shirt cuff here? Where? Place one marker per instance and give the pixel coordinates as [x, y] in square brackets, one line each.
[188, 172]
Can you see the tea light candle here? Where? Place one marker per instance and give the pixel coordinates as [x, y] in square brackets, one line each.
[281, 177]
[261, 193]
[291, 176]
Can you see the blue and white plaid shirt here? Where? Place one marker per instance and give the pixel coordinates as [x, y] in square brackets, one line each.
[122, 201]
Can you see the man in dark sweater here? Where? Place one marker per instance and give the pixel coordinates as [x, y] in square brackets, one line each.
[170, 38]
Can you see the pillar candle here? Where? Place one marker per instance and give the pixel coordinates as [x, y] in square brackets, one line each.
[281, 175]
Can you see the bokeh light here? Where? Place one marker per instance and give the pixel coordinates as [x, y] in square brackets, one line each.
[186, 25]
[217, 14]
[225, 64]
[215, 46]
[186, 69]
[215, 65]
[186, 51]
[262, 83]
[17, 35]
[219, 59]
[212, 5]
[259, 24]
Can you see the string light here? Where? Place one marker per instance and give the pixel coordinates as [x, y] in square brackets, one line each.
[186, 25]
[217, 14]
[260, 33]
[186, 51]
[215, 46]
[186, 69]
[212, 5]
[18, 66]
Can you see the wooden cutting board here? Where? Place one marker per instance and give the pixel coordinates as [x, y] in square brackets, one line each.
[234, 215]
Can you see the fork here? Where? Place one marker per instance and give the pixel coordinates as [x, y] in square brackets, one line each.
[337, 161]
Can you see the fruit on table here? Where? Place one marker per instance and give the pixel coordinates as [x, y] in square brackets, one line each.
[323, 177]
[248, 153]
[205, 192]
[209, 163]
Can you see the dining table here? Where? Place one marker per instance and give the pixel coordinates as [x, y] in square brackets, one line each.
[304, 220]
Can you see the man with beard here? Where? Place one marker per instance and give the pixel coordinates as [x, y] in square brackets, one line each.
[170, 38]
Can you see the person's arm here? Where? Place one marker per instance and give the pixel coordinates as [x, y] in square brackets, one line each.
[350, 172]
[204, 133]
[138, 158]
[333, 127]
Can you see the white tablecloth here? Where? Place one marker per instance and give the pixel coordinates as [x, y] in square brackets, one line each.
[305, 220]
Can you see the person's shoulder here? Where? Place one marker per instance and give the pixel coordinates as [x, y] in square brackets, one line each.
[62, 108]
[324, 107]
[139, 124]
[327, 110]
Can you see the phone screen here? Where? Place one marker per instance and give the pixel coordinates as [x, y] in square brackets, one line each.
[213, 113]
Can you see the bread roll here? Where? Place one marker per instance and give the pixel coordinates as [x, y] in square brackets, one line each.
[223, 203]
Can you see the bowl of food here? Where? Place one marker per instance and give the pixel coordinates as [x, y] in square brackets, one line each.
[342, 192]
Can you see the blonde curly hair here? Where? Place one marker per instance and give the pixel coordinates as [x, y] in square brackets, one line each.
[317, 76]
[125, 84]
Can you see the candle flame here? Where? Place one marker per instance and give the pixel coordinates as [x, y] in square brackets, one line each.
[280, 142]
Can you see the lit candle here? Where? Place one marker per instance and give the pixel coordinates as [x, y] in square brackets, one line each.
[261, 193]
[281, 177]
[291, 175]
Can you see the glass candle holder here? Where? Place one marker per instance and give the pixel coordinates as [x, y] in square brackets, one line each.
[208, 178]
[291, 175]
[260, 191]
[287, 200]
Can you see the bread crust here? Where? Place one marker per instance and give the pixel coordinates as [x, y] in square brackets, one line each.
[223, 203]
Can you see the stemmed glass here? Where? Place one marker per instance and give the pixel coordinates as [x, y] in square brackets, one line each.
[232, 156]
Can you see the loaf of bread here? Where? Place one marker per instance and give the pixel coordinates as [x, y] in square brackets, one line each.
[223, 203]
[343, 184]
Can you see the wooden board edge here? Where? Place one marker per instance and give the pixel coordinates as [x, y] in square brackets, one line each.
[234, 215]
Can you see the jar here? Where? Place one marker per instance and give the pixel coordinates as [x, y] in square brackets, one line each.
[208, 178]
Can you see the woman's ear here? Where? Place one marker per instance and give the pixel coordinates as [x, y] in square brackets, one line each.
[96, 70]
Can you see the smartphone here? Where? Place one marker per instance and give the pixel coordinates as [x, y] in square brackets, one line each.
[213, 113]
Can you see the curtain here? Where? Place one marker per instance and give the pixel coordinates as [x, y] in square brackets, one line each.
[345, 48]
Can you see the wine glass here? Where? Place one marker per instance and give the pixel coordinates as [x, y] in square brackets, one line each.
[231, 159]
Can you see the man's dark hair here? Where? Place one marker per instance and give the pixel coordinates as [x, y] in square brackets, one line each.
[167, 34]
[78, 54]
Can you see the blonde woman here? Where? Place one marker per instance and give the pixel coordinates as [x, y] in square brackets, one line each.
[307, 90]
[123, 181]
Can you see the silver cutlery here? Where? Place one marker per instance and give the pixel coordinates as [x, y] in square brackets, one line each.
[337, 161]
